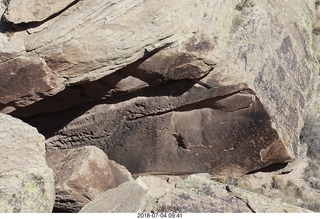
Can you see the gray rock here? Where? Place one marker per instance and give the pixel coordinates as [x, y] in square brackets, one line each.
[26, 182]
[310, 136]
[159, 185]
[198, 195]
[195, 194]
[315, 182]
[81, 175]
[130, 197]
[262, 204]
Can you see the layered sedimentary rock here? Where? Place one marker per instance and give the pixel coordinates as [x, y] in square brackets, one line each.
[82, 174]
[26, 181]
[195, 194]
[206, 86]
[25, 11]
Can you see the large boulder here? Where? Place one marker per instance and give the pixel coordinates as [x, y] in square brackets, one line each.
[150, 136]
[82, 174]
[26, 181]
[195, 194]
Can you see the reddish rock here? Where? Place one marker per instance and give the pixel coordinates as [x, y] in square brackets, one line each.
[82, 174]
[23, 79]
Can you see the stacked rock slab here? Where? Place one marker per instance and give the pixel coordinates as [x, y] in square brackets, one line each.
[26, 182]
[82, 174]
[195, 194]
[207, 86]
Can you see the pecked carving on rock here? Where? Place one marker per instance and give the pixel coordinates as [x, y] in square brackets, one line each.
[218, 130]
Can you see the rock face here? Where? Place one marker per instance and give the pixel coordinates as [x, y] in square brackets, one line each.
[195, 194]
[26, 182]
[183, 140]
[82, 174]
[169, 86]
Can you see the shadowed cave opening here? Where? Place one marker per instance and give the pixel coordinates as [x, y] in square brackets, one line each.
[270, 168]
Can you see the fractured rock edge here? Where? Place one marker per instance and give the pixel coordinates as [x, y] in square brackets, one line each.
[81, 174]
[26, 182]
[196, 193]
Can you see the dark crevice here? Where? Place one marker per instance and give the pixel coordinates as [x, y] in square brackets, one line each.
[241, 199]
[180, 141]
[60, 210]
[251, 209]
[104, 90]
[6, 26]
[168, 89]
[271, 168]
[207, 103]
[285, 172]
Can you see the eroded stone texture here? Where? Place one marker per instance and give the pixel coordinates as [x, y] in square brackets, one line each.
[198, 194]
[87, 40]
[130, 197]
[26, 182]
[195, 194]
[174, 132]
[24, 77]
[25, 11]
[242, 68]
[82, 174]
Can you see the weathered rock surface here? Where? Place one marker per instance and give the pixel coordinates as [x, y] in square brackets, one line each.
[178, 105]
[28, 71]
[26, 182]
[295, 183]
[195, 194]
[26, 11]
[72, 52]
[175, 82]
[81, 175]
[178, 140]
[199, 194]
[130, 197]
